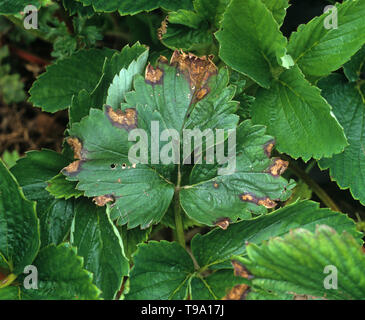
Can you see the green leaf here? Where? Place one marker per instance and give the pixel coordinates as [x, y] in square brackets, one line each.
[55, 221]
[348, 167]
[10, 293]
[193, 30]
[248, 190]
[32, 173]
[319, 50]
[122, 82]
[298, 117]
[74, 7]
[250, 40]
[177, 99]
[182, 37]
[161, 271]
[113, 66]
[215, 286]
[355, 68]
[54, 89]
[99, 243]
[10, 158]
[164, 270]
[61, 276]
[80, 106]
[19, 226]
[61, 188]
[133, 7]
[142, 194]
[16, 6]
[297, 264]
[277, 8]
[133, 237]
[220, 245]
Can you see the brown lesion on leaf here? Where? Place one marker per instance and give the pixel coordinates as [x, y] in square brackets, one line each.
[240, 291]
[265, 201]
[153, 75]
[240, 270]
[101, 201]
[278, 167]
[201, 93]
[73, 168]
[268, 147]
[198, 71]
[223, 223]
[76, 145]
[163, 29]
[215, 185]
[126, 119]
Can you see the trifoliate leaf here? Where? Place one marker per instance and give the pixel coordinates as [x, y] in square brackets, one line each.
[187, 93]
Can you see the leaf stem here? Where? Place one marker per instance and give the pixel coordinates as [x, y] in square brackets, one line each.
[178, 219]
[321, 194]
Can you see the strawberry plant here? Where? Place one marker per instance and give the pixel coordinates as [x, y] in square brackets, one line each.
[185, 171]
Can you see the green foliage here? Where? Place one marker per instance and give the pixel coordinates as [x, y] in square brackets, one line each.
[319, 50]
[100, 244]
[348, 102]
[252, 24]
[17, 214]
[54, 89]
[60, 271]
[95, 221]
[164, 270]
[16, 6]
[133, 7]
[294, 113]
[300, 262]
